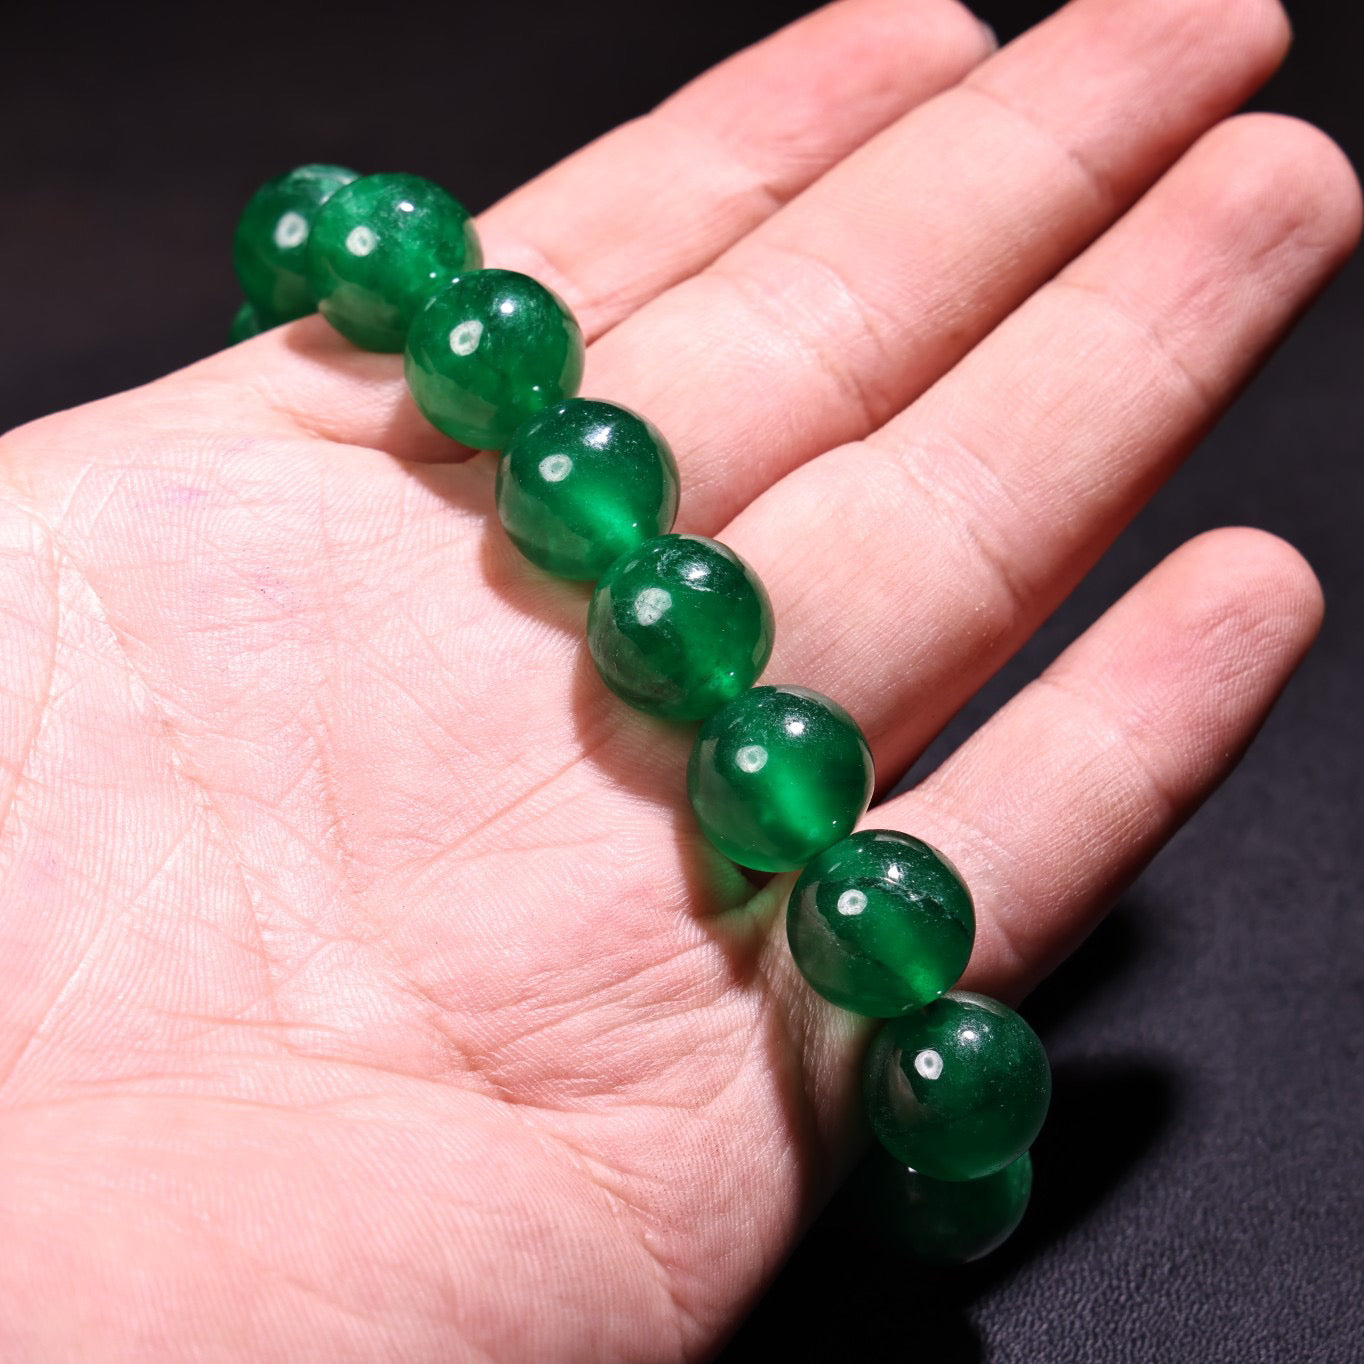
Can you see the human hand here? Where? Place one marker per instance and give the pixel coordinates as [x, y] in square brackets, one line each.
[368, 989]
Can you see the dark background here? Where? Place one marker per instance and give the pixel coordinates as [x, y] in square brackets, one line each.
[1198, 1183]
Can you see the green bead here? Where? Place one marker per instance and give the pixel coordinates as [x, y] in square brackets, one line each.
[941, 1221]
[380, 248]
[246, 323]
[270, 244]
[583, 482]
[490, 351]
[680, 626]
[959, 1089]
[881, 923]
[778, 775]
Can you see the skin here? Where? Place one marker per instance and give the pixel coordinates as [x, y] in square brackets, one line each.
[366, 991]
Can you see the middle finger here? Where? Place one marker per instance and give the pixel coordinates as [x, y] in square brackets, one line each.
[849, 302]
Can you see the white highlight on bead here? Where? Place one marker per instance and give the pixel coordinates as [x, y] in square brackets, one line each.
[795, 726]
[652, 604]
[928, 1064]
[291, 231]
[556, 468]
[360, 240]
[464, 339]
[852, 902]
[751, 758]
[507, 307]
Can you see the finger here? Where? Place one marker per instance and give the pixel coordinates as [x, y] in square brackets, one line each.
[865, 289]
[977, 509]
[1129, 731]
[659, 197]
[1059, 801]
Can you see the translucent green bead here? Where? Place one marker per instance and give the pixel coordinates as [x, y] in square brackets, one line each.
[583, 482]
[881, 923]
[941, 1221]
[778, 775]
[679, 626]
[246, 323]
[380, 247]
[270, 244]
[488, 352]
[959, 1089]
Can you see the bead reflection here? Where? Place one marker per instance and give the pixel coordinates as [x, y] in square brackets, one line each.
[929, 1064]
[291, 231]
[360, 241]
[851, 902]
[751, 758]
[651, 604]
[464, 339]
[556, 468]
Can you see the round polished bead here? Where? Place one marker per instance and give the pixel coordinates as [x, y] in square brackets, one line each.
[246, 323]
[942, 1221]
[488, 352]
[680, 626]
[958, 1089]
[270, 244]
[880, 923]
[583, 482]
[778, 775]
[379, 248]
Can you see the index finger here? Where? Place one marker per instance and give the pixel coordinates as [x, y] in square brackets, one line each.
[652, 202]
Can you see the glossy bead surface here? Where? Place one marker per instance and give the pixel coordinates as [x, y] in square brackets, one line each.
[940, 1221]
[679, 626]
[778, 775]
[583, 482]
[490, 351]
[379, 248]
[246, 323]
[270, 244]
[958, 1089]
[880, 923]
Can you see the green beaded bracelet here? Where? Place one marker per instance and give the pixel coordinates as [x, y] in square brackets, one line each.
[956, 1085]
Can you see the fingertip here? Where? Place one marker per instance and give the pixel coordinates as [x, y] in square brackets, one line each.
[1293, 170]
[1259, 30]
[1254, 582]
[1266, 25]
[980, 35]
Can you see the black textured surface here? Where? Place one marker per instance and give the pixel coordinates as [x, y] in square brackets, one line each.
[1198, 1191]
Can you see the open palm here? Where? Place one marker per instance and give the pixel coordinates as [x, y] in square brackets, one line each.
[367, 990]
